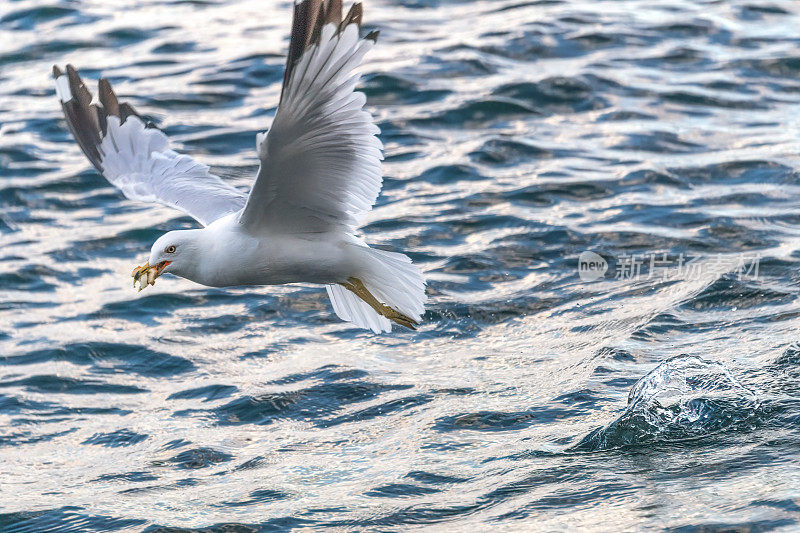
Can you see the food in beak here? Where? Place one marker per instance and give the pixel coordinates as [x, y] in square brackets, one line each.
[146, 274]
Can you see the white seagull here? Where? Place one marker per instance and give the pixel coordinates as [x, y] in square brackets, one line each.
[320, 173]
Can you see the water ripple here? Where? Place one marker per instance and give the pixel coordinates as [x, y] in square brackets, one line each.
[519, 134]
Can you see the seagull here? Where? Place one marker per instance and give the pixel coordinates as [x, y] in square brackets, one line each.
[319, 174]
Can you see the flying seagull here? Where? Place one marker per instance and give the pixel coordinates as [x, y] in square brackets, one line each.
[320, 173]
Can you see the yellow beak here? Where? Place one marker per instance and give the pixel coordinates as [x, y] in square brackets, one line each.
[146, 274]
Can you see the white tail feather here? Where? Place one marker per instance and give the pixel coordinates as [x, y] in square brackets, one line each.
[351, 308]
[393, 280]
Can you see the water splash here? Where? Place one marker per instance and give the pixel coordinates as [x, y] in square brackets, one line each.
[683, 398]
[518, 135]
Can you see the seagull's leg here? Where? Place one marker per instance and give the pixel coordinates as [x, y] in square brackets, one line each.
[356, 286]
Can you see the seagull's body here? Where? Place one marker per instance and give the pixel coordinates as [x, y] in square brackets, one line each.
[266, 259]
[319, 174]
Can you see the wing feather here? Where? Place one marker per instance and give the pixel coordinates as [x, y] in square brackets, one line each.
[136, 158]
[320, 161]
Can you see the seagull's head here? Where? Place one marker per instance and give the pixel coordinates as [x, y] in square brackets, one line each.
[174, 252]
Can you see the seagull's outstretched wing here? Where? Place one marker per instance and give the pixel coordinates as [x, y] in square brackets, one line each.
[136, 158]
[320, 161]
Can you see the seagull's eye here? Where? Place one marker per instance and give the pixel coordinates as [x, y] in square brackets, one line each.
[170, 249]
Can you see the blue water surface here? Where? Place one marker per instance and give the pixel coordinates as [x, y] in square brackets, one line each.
[664, 395]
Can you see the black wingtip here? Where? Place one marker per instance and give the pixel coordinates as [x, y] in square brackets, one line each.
[107, 97]
[307, 22]
[333, 11]
[353, 16]
[126, 110]
[82, 116]
[88, 121]
[372, 36]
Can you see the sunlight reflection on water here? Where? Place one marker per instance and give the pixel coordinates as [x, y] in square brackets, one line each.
[518, 135]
